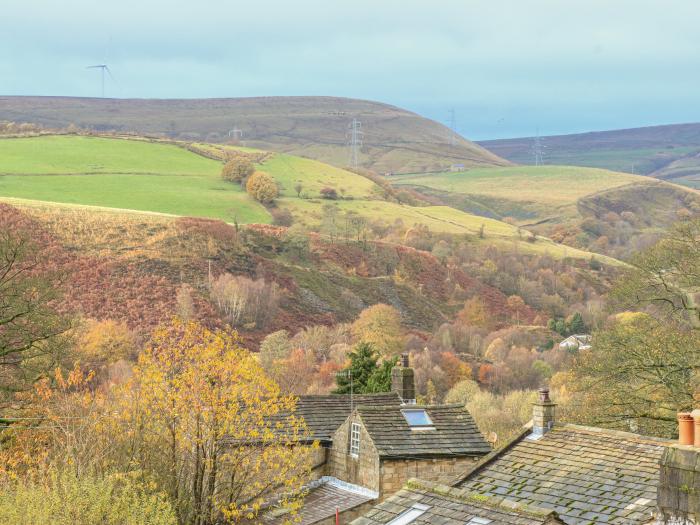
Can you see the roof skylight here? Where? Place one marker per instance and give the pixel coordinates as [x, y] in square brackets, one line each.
[476, 520]
[411, 515]
[417, 417]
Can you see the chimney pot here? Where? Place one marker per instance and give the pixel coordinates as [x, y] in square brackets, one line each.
[696, 419]
[543, 411]
[404, 360]
[686, 431]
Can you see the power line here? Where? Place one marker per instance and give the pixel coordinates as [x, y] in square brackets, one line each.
[355, 136]
[453, 127]
[538, 148]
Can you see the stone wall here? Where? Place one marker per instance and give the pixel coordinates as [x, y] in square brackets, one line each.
[319, 463]
[394, 473]
[363, 470]
[679, 485]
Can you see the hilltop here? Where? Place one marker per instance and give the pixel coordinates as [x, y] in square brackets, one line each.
[669, 152]
[393, 139]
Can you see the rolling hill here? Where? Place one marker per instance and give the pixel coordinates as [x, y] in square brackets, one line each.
[167, 178]
[393, 139]
[670, 152]
[574, 205]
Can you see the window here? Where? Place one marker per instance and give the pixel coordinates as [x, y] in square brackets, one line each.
[355, 440]
[478, 521]
[417, 418]
[410, 515]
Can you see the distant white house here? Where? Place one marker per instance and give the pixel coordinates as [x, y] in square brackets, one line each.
[576, 342]
[457, 167]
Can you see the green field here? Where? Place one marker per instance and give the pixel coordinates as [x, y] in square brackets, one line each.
[139, 175]
[313, 176]
[64, 154]
[125, 174]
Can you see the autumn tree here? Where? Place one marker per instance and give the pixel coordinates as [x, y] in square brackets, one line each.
[645, 367]
[516, 305]
[638, 374]
[475, 313]
[499, 417]
[202, 419]
[329, 193]
[380, 326]
[104, 342]
[274, 349]
[30, 327]
[237, 169]
[262, 187]
[244, 301]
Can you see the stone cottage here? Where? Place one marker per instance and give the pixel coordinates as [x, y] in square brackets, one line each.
[372, 444]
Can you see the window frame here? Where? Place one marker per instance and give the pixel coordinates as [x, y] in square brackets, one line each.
[410, 515]
[355, 439]
[428, 425]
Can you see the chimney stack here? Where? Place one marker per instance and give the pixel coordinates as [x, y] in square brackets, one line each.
[678, 494]
[542, 414]
[403, 382]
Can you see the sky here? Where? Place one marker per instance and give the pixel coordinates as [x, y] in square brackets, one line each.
[507, 68]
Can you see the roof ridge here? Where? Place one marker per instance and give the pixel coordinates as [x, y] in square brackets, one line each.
[467, 496]
[409, 407]
[611, 432]
[346, 396]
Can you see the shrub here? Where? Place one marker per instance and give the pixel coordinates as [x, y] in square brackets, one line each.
[282, 217]
[237, 169]
[262, 187]
[329, 193]
[65, 499]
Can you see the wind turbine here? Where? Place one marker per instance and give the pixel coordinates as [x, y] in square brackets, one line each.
[103, 68]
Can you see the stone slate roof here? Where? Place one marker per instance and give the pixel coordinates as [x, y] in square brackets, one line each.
[324, 414]
[588, 475]
[453, 506]
[320, 503]
[455, 433]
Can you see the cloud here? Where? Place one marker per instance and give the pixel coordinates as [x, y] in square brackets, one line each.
[624, 62]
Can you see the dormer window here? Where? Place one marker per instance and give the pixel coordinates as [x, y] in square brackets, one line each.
[355, 440]
[417, 418]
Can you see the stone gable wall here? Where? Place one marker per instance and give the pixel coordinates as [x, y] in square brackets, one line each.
[363, 470]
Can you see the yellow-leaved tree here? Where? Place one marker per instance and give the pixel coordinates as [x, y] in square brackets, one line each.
[380, 325]
[202, 418]
[262, 187]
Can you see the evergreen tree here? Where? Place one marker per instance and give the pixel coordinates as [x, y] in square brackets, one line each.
[368, 376]
[577, 326]
[380, 380]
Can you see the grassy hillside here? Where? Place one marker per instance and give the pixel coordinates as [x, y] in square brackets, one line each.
[545, 185]
[122, 174]
[164, 178]
[313, 176]
[574, 205]
[63, 154]
[647, 151]
[395, 140]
